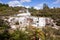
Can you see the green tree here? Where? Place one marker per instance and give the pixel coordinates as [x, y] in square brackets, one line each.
[45, 6]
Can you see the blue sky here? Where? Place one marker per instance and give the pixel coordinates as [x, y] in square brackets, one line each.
[38, 4]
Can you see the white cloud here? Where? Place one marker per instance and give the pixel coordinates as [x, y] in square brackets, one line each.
[39, 6]
[56, 2]
[14, 3]
[27, 6]
[25, 1]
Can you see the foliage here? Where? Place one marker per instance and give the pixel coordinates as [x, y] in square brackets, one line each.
[51, 33]
[4, 35]
[31, 33]
[35, 33]
[48, 33]
[19, 35]
[54, 13]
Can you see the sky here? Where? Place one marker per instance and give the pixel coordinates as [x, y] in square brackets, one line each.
[37, 4]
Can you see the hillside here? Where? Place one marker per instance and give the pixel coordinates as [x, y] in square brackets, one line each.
[54, 13]
[30, 32]
[6, 10]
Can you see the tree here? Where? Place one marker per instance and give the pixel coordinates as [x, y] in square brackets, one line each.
[45, 6]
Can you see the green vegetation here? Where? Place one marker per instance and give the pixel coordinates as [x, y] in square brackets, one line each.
[54, 13]
[48, 33]
[5, 10]
[31, 33]
[51, 33]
